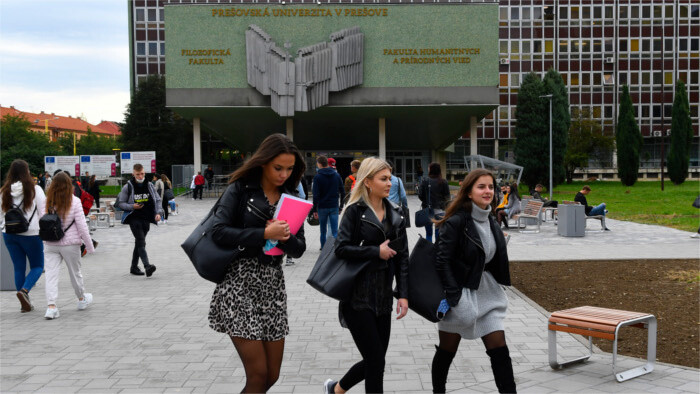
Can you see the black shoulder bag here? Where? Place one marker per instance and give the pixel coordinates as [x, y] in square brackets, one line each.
[209, 258]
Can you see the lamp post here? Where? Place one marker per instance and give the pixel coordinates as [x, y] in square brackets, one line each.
[549, 96]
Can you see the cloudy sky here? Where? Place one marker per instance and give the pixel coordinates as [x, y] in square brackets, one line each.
[69, 57]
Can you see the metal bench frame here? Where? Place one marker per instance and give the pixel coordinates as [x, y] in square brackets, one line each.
[643, 321]
[602, 222]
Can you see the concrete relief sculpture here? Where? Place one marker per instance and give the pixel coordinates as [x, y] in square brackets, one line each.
[303, 84]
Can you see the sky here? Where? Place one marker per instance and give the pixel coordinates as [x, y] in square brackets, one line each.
[69, 57]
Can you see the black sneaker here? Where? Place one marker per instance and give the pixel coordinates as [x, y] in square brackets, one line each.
[23, 297]
[150, 270]
[136, 271]
[289, 262]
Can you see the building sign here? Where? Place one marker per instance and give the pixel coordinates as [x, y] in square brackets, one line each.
[100, 165]
[146, 159]
[403, 46]
[65, 163]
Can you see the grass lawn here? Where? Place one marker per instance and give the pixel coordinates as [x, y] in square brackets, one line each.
[642, 203]
[112, 191]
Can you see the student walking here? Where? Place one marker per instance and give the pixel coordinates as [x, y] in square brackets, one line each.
[434, 191]
[160, 189]
[167, 196]
[328, 193]
[141, 205]
[250, 305]
[94, 189]
[61, 201]
[370, 222]
[20, 218]
[472, 261]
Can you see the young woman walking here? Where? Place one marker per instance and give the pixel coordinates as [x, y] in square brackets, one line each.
[250, 305]
[370, 221]
[20, 192]
[61, 201]
[434, 191]
[472, 261]
[94, 189]
[167, 185]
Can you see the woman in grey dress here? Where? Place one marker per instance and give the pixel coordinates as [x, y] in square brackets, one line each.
[472, 261]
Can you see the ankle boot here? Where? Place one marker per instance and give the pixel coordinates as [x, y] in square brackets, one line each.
[441, 366]
[502, 369]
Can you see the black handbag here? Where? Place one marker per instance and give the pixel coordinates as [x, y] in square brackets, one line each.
[168, 195]
[334, 276]
[406, 215]
[424, 216]
[425, 290]
[311, 220]
[209, 258]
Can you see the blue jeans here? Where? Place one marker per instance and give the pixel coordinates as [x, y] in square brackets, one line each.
[22, 247]
[324, 215]
[429, 229]
[597, 210]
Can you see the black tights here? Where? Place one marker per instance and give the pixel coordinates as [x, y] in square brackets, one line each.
[371, 335]
[262, 361]
[450, 342]
[165, 206]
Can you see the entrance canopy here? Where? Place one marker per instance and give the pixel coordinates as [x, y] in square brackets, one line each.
[501, 169]
[331, 74]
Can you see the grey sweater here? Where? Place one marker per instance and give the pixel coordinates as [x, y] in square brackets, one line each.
[481, 219]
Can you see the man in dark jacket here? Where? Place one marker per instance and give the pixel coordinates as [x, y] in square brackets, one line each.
[536, 194]
[590, 211]
[328, 192]
[209, 176]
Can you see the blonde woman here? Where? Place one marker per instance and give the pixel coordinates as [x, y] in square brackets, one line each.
[370, 222]
[60, 200]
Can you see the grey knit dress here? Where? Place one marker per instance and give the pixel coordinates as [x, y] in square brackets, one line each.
[479, 312]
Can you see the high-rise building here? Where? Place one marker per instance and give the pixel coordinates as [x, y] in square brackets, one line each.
[597, 45]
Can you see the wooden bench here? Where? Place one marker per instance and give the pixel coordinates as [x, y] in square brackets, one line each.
[603, 323]
[533, 210]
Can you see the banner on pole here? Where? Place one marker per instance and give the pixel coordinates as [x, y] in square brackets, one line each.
[65, 163]
[100, 165]
[146, 159]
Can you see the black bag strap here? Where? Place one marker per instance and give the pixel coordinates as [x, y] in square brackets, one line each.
[430, 203]
[69, 226]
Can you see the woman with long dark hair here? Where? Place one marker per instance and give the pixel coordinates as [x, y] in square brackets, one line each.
[370, 221]
[94, 189]
[513, 206]
[19, 191]
[167, 185]
[250, 305]
[472, 261]
[434, 191]
[61, 201]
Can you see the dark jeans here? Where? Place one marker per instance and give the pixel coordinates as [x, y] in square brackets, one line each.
[371, 335]
[21, 248]
[198, 189]
[139, 228]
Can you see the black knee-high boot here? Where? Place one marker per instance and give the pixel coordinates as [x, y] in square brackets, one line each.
[502, 369]
[441, 366]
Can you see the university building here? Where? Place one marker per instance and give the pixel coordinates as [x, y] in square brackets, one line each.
[409, 105]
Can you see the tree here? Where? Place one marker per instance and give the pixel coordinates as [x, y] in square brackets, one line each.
[561, 122]
[532, 131]
[150, 126]
[629, 141]
[17, 141]
[585, 141]
[681, 136]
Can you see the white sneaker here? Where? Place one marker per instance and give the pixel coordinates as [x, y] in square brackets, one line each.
[87, 300]
[51, 313]
[328, 386]
[696, 235]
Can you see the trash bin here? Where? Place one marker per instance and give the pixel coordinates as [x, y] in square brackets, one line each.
[571, 220]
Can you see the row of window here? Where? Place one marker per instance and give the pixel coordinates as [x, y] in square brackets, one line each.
[643, 112]
[632, 78]
[598, 12]
[154, 49]
[154, 14]
[598, 46]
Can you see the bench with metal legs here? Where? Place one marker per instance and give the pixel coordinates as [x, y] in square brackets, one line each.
[601, 323]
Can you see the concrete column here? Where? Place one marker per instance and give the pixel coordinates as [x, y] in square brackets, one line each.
[197, 144]
[382, 138]
[290, 128]
[495, 149]
[472, 139]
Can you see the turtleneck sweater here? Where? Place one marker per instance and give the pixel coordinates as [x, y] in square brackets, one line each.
[483, 226]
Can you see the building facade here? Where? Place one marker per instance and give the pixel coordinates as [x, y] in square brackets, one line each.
[597, 46]
[56, 126]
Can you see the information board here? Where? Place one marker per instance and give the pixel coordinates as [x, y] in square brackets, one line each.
[100, 165]
[65, 163]
[146, 159]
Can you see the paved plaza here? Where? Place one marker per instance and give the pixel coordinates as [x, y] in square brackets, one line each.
[151, 335]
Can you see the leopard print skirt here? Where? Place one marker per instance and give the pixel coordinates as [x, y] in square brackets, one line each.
[251, 302]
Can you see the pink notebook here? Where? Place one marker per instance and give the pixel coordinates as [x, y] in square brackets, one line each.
[294, 210]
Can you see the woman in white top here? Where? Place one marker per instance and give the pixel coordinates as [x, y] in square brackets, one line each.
[61, 201]
[20, 192]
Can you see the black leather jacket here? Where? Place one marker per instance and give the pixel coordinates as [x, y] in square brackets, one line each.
[362, 243]
[460, 256]
[241, 218]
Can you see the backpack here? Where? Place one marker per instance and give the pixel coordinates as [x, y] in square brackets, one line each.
[15, 221]
[50, 228]
[118, 201]
[86, 199]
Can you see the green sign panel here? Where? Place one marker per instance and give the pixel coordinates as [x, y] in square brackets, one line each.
[432, 45]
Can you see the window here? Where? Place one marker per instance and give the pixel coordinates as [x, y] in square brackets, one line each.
[597, 46]
[634, 11]
[574, 12]
[634, 80]
[162, 14]
[141, 49]
[695, 44]
[634, 45]
[657, 45]
[608, 45]
[575, 46]
[536, 13]
[668, 45]
[549, 46]
[657, 111]
[596, 79]
[139, 16]
[586, 45]
[514, 47]
[585, 79]
[646, 12]
[515, 80]
[515, 13]
[503, 112]
[623, 45]
[586, 12]
[608, 111]
[658, 11]
[526, 13]
[608, 79]
[597, 12]
[504, 13]
[152, 15]
[563, 12]
[162, 49]
[503, 44]
[683, 44]
[683, 76]
[574, 79]
[503, 80]
[153, 48]
[608, 12]
[657, 78]
[623, 12]
[645, 111]
[684, 11]
[669, 12]
[646, 45]
[646, 78]
[622, 76]
[563, 46]
[537, 47]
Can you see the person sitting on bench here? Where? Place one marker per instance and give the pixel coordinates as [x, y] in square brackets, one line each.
[537, 196]
[598, 210]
